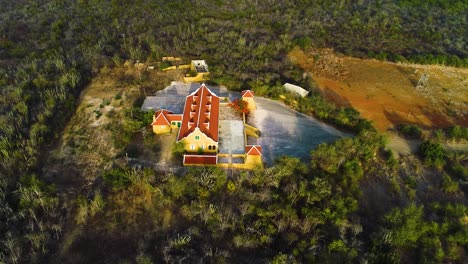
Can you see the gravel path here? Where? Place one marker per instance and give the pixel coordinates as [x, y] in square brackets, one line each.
[404, 147]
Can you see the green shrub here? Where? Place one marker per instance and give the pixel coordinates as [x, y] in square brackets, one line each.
[178, 149]
[117, 178]
[432, 154]
[457, 133]
[192, 73]
[409, 131]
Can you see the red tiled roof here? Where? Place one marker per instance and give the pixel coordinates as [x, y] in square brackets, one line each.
[200, 159]
[201, 110]
[161, 117]
[253, 150]
[174, 117]
[247, 93]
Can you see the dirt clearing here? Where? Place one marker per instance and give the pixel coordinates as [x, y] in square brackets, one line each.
[386, 92]
[87, 147]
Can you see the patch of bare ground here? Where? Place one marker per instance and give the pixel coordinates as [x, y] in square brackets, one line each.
[87, 147]
[386, 92]
[227, 113]
[166, 143]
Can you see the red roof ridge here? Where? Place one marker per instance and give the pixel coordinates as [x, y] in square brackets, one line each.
[255, 149]
[247, 93]
[161, 112]
[200, 106]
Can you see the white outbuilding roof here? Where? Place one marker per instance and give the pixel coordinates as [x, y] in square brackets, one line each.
[296, 89]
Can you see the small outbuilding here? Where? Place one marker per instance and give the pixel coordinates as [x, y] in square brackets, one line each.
[296, 89]
[253, 156]
[199, 66]
[165, 121]
[248, 96]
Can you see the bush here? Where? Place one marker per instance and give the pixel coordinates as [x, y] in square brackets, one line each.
[240, 106]
[432, 154]
[457, 133]
[178, 149]
[192, 73]
[409, 131]
[116, 178]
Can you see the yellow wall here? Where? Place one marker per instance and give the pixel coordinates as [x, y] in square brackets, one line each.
[253, 162]
[251, 131]
[175, 125]
[161, 129]
[199, 78]
[251, 102]
[175, 67]
[250, 163]
[193, 145]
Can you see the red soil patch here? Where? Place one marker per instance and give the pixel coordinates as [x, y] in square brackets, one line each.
[385, 92]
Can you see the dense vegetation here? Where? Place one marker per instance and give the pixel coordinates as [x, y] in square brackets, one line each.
[50, 49]
[351, 202]
[451, 134]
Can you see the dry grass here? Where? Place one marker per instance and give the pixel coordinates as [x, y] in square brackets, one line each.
[385, 92]
[86, 147]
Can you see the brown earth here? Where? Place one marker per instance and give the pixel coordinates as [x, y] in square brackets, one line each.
[386, 92]
[86, 146]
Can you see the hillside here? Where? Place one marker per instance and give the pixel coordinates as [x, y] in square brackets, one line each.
[84, 180]
[386, 92]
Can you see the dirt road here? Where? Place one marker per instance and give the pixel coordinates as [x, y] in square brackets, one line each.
[404, 147]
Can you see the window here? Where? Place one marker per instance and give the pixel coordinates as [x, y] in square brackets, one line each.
[214, 147]
[173, 123]
[197, 137]
[209, 147]
[192, 147]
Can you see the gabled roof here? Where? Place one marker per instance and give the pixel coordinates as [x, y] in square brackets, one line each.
[247, 93]
[200, 159]
[174, 117]
[254, 150]
[201, 110]
[161, 117]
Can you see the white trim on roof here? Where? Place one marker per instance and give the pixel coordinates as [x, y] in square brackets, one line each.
[200, 132]
[161, 113]
[252, 147]
[246, 92]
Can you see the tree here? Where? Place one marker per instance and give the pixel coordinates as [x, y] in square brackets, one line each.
[432, 154]
[240, 106]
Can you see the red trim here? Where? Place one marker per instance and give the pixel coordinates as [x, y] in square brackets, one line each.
[200, 159]
[174, 117]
